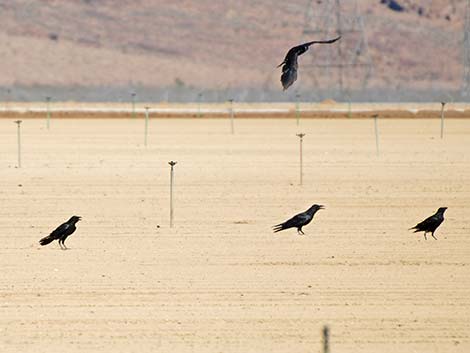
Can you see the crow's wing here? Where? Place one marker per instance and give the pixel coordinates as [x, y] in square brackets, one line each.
[60, 231]
[57, 233]
[298, 220]
[294, 52]
[289, 69]
[320, 42]
[295, 222]
[290, 64]
[427, 223]
[291, 58]
[289, 75]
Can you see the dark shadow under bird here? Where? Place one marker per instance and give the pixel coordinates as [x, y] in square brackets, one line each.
[61, 232]
[290, 64]
[299, 221]
[430, 224]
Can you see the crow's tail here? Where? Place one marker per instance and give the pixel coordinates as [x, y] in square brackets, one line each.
[46, 240]
[278, 227]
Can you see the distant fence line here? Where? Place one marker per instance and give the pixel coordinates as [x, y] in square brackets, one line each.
[184, 94]
[67, 110]
[208, 108]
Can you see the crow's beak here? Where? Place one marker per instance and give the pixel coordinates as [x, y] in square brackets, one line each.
[321, 207]
[79, 218]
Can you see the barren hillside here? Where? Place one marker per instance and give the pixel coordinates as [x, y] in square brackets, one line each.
[214, 44]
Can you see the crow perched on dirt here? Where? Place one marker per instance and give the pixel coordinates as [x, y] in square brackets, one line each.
[300, 220]
[61, 232]
[430, 224]
[289, 70]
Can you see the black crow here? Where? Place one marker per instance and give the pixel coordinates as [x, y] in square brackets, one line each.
[300, 220]
[289, 70]
[62, 232]
[429, 225]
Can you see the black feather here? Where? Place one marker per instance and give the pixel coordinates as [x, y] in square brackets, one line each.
[299, 220]
[290, 64]
[430, 224]
[61, 232]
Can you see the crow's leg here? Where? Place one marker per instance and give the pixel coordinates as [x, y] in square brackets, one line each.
[425, 238]
[65, 248]
[433, 235]
[60, 244]
[300, 231]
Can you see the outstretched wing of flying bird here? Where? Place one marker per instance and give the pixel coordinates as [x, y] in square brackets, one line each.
[290, 64]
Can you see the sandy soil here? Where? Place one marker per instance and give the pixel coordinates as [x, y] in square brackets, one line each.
[163, 110]
[220, 280]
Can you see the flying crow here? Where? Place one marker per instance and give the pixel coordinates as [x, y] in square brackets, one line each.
[290, 65]
[429, 225]
[300, 220]
[62, 232]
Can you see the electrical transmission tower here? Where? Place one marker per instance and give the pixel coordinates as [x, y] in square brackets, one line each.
[466, 54]
[345, 65]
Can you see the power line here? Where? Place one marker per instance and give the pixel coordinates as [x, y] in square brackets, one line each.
[466, 53]
[347, 65]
